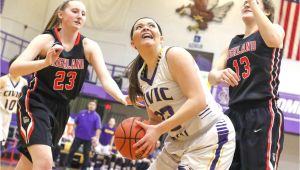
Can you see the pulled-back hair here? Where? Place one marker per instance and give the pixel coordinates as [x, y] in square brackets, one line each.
[55, 20]
[269, 7]
[131, 32]
[134, 85]
[133, 68]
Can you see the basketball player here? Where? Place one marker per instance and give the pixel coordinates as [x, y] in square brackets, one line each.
[106, 142]
[58, 58]
[10, 92]
[200, 136]
[251, 69]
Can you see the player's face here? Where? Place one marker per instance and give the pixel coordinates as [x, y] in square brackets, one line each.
[74, 15]
[247, 13]
[145, 32]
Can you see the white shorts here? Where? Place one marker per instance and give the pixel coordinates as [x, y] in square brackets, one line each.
[211, 150]
[103, 150]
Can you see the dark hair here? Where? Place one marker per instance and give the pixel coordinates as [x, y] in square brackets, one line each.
[269, 7]
[134, 89]
[131, 32]
[134, 85]
[54, 20]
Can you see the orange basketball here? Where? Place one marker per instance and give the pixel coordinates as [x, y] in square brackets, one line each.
[127, 134]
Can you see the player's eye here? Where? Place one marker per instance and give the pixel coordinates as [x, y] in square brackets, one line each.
[74, 11]
[138, 27]
[152, 25]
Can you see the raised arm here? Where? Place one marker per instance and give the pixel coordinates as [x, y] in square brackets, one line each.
[273, 34]
[25, 63]
[95, 57]
[221, 74]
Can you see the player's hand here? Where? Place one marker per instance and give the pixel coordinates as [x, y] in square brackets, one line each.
[53, 54]
[147, 144]
[228, 77]
[140, 101]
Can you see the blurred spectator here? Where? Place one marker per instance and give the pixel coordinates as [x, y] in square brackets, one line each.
[106, 142]
[87, 131]
[107, 137]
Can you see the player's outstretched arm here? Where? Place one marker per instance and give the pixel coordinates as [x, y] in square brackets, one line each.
[94, 55]
[273, 34]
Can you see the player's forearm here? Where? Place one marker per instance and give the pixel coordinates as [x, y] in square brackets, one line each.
[22, 68]
[188, 111]
[266, 28]
[111, 87]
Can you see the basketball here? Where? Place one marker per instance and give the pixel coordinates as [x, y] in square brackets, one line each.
[127, 134]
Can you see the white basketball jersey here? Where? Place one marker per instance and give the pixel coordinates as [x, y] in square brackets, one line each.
[9, 97]
[163, 96]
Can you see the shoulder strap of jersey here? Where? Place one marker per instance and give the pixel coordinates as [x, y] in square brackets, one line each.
[53, 32]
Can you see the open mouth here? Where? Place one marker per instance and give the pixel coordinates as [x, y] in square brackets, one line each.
[147, 36]
[77, 22]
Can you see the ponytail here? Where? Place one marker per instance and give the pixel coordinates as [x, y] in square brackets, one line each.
[134, 89]
[55, 20]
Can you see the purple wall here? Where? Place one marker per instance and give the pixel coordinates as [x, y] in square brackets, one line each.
[4, 67]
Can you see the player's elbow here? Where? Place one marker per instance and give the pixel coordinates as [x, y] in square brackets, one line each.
[274, 43]
[14, 71]
[202, 104]
[199, 103]
[274, 40]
